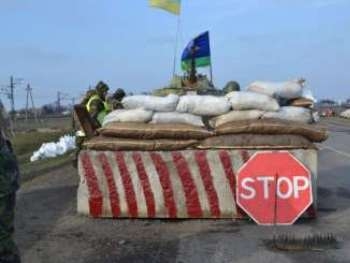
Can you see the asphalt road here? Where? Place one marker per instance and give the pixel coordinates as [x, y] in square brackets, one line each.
[49, 230]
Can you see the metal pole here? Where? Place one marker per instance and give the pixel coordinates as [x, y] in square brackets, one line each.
[27, 101]
[211, 74]
[12, 97]
[176, 44]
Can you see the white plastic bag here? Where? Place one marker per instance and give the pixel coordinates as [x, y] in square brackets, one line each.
[291, 113]
[235, 116]
[136, 115]
[176, 117]
[245, 100]
[287, 90]
[152, 103]
[52, 149]
[203, 105]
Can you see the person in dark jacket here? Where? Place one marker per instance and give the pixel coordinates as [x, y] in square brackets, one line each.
[9, 184]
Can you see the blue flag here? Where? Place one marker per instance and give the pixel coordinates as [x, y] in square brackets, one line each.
[199, 49]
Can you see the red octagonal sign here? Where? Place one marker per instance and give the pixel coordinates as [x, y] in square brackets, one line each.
[274, 188]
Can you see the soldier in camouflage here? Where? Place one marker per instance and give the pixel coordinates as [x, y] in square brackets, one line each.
[9, 184]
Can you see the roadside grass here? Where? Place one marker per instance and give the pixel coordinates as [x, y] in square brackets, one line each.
[25, 144]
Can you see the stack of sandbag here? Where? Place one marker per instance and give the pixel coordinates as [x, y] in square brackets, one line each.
[345, 114]
[265, 134]
[150, 123]
[295, 100]
[171, 109]
[245, 106]
[127, 136]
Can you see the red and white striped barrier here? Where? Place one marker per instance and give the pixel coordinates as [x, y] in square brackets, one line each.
[178, 184]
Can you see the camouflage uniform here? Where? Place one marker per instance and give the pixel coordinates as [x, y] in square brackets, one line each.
[9, 184]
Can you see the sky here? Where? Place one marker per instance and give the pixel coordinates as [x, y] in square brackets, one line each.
[68, 45]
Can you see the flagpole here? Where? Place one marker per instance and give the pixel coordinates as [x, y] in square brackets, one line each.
[176, 43]
[211, 65]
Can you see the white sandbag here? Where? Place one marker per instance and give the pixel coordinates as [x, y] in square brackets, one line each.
[291, 113]
[136, 115]
[345, 114]
[245, 100]
[203, 105]
[176, 117]
[235, 116]
[307, 94]
[153, 103]
[287, 90]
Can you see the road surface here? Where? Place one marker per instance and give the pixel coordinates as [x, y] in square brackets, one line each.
[50, 231]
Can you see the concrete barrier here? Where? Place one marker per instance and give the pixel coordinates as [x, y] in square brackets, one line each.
[179, 184]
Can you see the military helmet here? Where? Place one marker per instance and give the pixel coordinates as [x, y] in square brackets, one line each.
[119, 94]
[231, 86]
[102, 87]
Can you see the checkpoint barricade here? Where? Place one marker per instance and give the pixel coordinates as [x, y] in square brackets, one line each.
[189, 184]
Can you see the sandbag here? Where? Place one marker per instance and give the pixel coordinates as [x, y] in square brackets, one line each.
[245, 100]
[301, 102]
[256, 141]
[290, 113]
[153, 103]
[176, 117]
[203, 105]
[345, 114]
[101, 143]
[235, 116]
[313, 133]
[287, 90]
[149, 131]
[136, 115]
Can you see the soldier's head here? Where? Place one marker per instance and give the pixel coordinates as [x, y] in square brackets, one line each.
[119, 94]
[231, 86]
[102, 89]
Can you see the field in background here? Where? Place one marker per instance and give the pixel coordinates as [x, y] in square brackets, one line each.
[54, 122]
[30, 135]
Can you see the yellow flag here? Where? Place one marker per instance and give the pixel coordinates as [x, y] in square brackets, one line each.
[172, 6]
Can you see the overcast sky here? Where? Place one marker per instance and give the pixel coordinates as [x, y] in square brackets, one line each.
[68, 45]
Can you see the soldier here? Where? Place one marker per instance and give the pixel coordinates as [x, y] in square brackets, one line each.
[97, 105]
[115, 101]
[9, 184]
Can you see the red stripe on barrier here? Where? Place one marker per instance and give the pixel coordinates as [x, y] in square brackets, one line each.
[164, 178]
[231, 177]
[192, 200]
[127, 183]
[112, 188]
[151, 208]
[245, 155]
[207, 179]
[95, 195]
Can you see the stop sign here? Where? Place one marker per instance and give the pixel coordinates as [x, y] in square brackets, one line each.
[274, 188]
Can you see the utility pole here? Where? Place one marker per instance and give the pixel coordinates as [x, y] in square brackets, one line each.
[12, 95]
[60, 96]
[58, 101]
[9, 91]
[30, 95]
